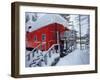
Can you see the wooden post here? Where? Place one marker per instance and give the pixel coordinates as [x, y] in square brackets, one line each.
[58, 41]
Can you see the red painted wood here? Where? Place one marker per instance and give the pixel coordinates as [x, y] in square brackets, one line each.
[51, 36]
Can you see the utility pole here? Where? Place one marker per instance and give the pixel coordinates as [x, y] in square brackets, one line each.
[80, 30]
[88, 31]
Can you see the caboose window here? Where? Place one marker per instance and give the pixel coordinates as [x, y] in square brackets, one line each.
[43, 37]
[35, 38]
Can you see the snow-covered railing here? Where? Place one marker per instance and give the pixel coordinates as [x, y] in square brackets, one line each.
[52, 47]
[47, 58]
[35, 48]
[36, 59]
[52, 54]
[68, 35]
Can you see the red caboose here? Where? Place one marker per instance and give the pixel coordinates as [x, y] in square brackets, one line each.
[45, 36]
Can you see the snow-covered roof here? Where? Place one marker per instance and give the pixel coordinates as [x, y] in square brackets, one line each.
[45, 20]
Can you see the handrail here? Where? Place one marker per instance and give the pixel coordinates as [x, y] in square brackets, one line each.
[51, 47]
[45, 54]
[34, 49]
[49, 54]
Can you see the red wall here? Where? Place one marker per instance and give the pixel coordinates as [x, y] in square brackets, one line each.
[51, 36]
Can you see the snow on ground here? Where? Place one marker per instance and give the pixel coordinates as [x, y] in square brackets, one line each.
[77, 57]
[51, 59]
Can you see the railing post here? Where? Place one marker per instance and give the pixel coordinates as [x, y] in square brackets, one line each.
[45, 59]
[49, 53]
[58, 41]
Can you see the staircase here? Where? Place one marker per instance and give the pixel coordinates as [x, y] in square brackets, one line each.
[38, 58]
